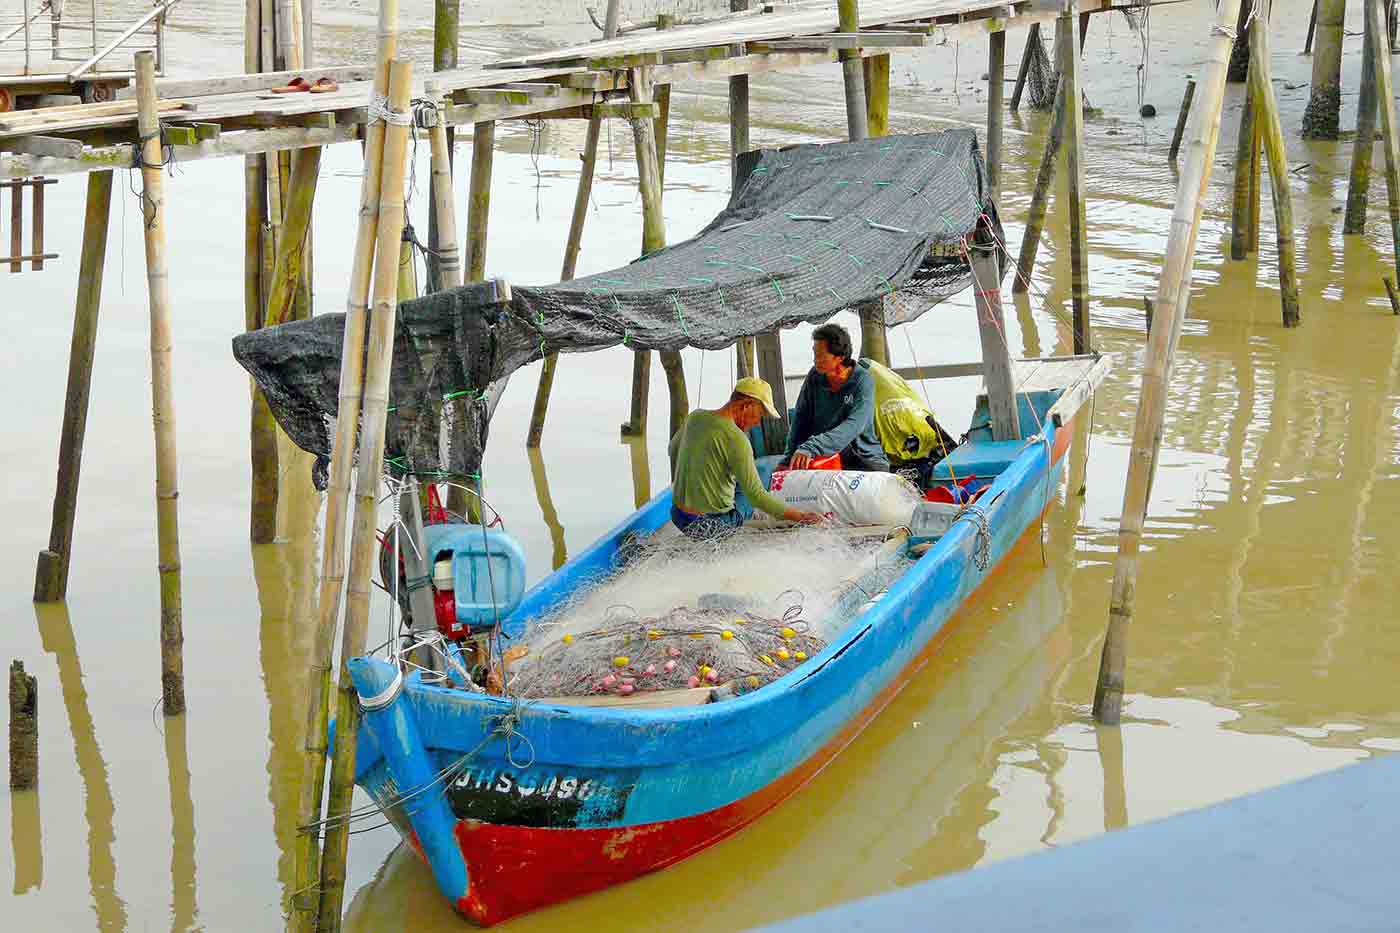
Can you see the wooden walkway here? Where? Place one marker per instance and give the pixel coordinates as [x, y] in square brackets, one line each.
[238, 114]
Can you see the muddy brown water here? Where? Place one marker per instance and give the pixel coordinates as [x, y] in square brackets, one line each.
[1264, 648]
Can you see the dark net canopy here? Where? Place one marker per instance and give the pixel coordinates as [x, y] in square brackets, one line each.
[812, 230]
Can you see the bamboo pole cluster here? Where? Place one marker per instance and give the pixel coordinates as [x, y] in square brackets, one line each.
[320, 881]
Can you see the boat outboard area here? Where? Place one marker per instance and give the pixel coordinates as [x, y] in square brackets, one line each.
[661, 690]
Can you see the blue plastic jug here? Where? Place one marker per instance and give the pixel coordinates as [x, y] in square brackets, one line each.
[488, 570]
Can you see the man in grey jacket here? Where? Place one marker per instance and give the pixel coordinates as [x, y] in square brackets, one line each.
[836, 408]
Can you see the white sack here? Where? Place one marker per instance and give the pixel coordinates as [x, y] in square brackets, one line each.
[850, 497]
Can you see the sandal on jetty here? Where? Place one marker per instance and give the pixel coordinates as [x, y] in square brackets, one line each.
[324, 86]
[294, 86]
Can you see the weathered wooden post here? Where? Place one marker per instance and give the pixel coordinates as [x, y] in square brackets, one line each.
[446, 21]
[51, 575]
[1173, 291]
[582, 196]
[24, 728]
[1244, 174]
[876, 75]
[1067, 126]
[1027, 56]
[653, 238]
[991, 330]
[363, 541]
[1385, 97]
[1364, 147]
[448, 261]
[739, 143]
[1181, 120]
[474, 256]
[1322, 118]
[996, 109]
[296, 226]
[162, 387]
[306, 902]
[1268, 125]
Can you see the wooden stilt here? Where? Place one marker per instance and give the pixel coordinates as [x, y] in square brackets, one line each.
[770, 369]
[589, 161]
[991, 328]
[446, 21]
[162, 388]
[306, 901]
[1172, 293]
[653, 239]
[1027, 56]
[1364, 147]
[996, 115]
[296, 226]
[1044, 183]
[479, 199]
[1269, 126]
[51, 575]
[1312, 29]
[636, 423]
[448, 260]
[1074, 166]
[1385, 97]
[739, 143]
[662, 125]
[24, 728]
[363, 543]
[1181, 120]
[1239, 215]
[875, 72]
[1321, 118]
[1256, 165]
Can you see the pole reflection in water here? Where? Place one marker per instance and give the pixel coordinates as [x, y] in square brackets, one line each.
[285, 575]
[1115, 790]
[641, 470]
[547, 510]
[184, 907]
[56, 633]
[26, 840]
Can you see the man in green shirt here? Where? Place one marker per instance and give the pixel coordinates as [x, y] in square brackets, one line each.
[714, 461]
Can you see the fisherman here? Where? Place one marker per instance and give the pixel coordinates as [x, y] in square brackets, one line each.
[835, 411]
[717, 486]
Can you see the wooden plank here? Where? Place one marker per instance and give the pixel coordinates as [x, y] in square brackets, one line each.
[179, 135]
[494, 95]
[170, 88]
[44, 146]
[845, 40]
[1078, 392]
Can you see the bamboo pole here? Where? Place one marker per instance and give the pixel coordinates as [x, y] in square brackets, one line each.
[653, 238]
[875, 72]
[1385, 97]
[1181, 120]
[371, 464]
[24, 728]
[739, 143]
[51, 574]
[306, 902]
[1269, 126]
[996, 108]
[1027, 55]
[449, 262]
[446, 19]
[1044, 182]
[1256, 165]
[479, 199]
[1364, 148]
[589, 162]
[1172, 294]
[162, 387]
[1239, 213]
[301, 196]
[1074, 165]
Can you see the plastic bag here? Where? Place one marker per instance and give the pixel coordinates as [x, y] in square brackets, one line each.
[901, 417]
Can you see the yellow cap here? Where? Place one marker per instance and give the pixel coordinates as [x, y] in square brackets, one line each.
[756, 388]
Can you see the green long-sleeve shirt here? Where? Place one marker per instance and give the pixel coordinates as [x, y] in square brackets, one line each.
[712, 456]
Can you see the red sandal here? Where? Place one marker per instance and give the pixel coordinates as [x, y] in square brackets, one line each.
[324, 86]
[294, 86]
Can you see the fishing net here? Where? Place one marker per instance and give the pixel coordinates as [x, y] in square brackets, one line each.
[1041, 76]
[811, 231]
[736, 613]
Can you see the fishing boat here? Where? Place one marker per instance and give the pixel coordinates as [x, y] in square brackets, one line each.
[516, 802]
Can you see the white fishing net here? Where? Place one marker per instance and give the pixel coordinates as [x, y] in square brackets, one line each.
[735, 612]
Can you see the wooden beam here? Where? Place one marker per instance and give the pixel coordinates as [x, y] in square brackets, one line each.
[51, 575]
[52, 146]
[839, 40]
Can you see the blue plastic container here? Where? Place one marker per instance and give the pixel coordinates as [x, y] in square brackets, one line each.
[488, 570]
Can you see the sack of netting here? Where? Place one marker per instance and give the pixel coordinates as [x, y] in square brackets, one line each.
[848, 497]
[906, 428]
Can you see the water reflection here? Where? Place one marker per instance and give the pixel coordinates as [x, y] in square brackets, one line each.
[547, 510]
[184, 906]
[56, 633]
[26, 840]
[641, 470]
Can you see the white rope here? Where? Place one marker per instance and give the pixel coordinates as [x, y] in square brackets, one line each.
[390, 694]
[379, 110]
